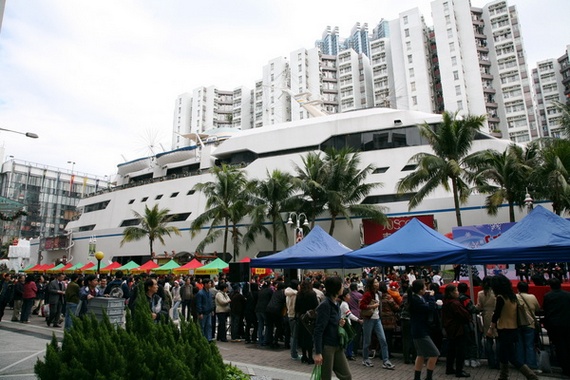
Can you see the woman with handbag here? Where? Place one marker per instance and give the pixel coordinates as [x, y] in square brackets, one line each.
[527, 334]
[505, 322]
[370, 313]
[306, 300]
[486, 301]
[329, 352]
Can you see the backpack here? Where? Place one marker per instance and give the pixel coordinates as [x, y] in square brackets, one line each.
[116, 291]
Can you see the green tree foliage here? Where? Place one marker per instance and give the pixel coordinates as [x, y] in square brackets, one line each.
[270, 198]
[503, 176]
[154, 225]
[226, 202]
[450, 141]
[141, 350]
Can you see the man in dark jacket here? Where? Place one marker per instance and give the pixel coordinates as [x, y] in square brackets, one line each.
[274, 315]
[205, 309]
[263, 298]
[18, 297]
[556, 316]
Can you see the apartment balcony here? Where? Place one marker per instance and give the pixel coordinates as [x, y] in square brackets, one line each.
[489, 90]
[491, 105]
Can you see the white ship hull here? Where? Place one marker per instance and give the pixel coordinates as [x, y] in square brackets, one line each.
[285, 139]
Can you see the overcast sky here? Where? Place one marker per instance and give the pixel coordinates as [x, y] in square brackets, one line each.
[97, 80]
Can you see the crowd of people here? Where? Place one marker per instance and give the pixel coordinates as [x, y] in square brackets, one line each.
[325, 319]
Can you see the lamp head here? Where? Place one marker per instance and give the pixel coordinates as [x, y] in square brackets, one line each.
[99, 255]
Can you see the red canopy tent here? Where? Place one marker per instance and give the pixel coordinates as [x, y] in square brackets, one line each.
[193, 264]
[89, 266]
[111, 267]
[146, 267]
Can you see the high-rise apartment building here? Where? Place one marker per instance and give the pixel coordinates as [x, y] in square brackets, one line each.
[510, 72]
[564, 62]
[355, 81]
[275, 103]
[359, 39]
[412, 81]
[182, 120]
[330, 42]
[305, 66]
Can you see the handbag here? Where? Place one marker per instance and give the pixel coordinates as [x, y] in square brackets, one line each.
[366, 313]
[316, 374]
[522, 315]
[309, 319]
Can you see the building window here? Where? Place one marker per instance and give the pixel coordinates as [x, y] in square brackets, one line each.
[190, 192]
[456, 75]
[460, 105]
[407, 32]
[449, 33]
[457, 90]
[158, 197]
[144, 199]
[413, 86]
[131, 201]
[410, 58]
[454, 61]
[408, 45]
[414, 100]
[406, 20]
[411, 72]
[452, 46]
[447, 19]
[174, 195]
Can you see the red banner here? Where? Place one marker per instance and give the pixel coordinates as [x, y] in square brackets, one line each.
[374, 232]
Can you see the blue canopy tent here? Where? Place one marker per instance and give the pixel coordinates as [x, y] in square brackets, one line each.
[415, 244]
[542, 236]
[318, 250]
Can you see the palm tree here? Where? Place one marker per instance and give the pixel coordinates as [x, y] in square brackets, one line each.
[271, 197]
[310, 179]
[153, 224]
[504, 176]
[451, 141]
[345, 188]
[225, 203]
[551, 173]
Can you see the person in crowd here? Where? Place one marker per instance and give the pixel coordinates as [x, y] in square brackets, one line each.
[436, 325]
[71, 300]
[486, 302]
[306, 300]
[205, 308]
[6, 292]
[525, 346]
[102, 284]
[422, 307]
[504, 320]
[18, 297]
[29, 296]
[436, 278]
[250, 292]
[88, 291]
[40, 295]
[187, 297]
[263, 298]
[353, 303]
[56, 292]
[523, 272]
[120, 283]
[176, 299]
[471, 354]
[328, 351]
[274, 315]
[455, 318]
[290, 298]
[352, 319]
[222, 311]
[394, 292]
[318, 288]
[456, 272]
[556, 307]
[408, 349]
[158, 308]
[371, 300]
[388, 315]
[237, 310]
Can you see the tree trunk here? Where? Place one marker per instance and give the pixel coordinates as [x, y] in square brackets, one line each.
[511, 211]
[274, 237]
[333, 223]
[227, 230]
[151, 243]
[456, 201]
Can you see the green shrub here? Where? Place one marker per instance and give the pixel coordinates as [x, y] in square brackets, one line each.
[142, 350]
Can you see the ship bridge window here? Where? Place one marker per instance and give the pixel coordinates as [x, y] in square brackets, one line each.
[381, 170]
[241, 158]
[131, 201]
[90, 227]
[190, 192]
[174, 195]
[130, 222]
[409, 167]
[179, 217]
[144, 199]
[158, 197]
[387, 198]
[96, 206]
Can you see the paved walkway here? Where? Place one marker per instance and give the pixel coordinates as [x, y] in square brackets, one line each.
[22, 344]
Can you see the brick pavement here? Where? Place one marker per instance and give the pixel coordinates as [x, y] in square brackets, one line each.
[280, 358]
[260, 359]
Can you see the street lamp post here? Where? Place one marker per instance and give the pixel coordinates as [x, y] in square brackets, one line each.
[27, 134]
[528, 201]
[298, 230]
[99, 256]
